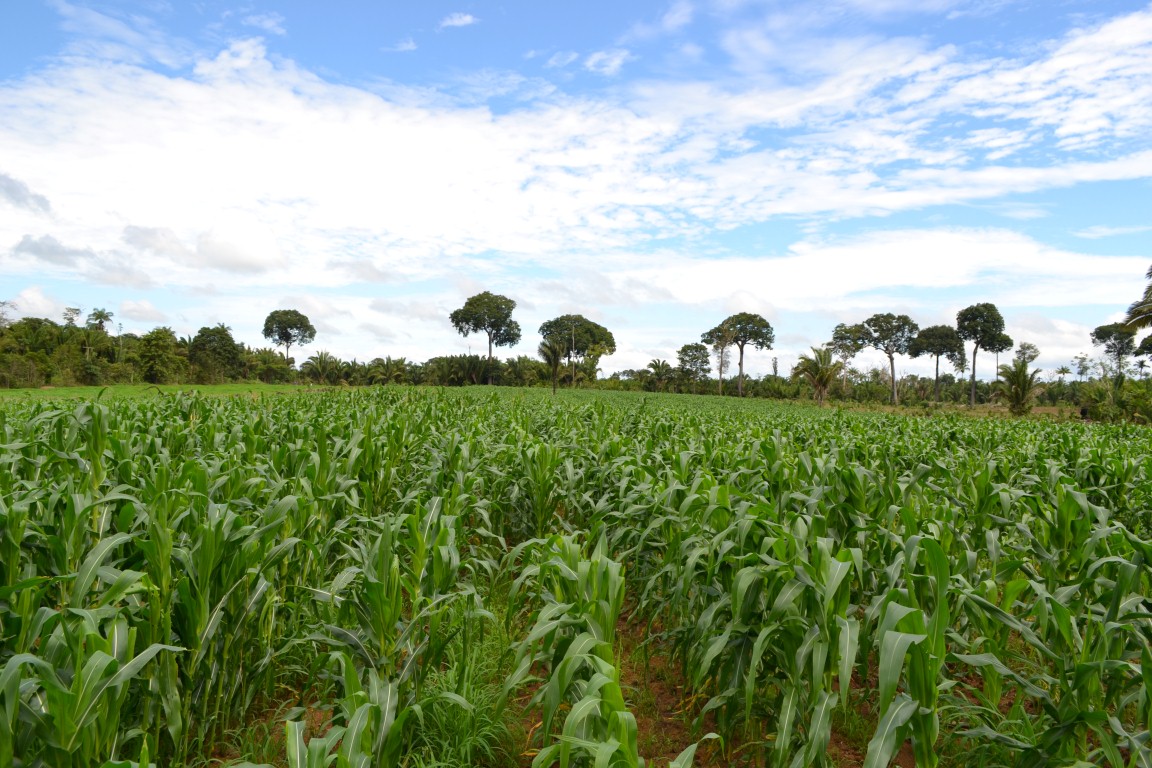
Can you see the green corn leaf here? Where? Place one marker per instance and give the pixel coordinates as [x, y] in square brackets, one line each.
[848, 643]
[893, 648]
[890, 732]
[92, 563]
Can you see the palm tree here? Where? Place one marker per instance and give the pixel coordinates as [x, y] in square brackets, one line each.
[522, 371]
[98, 317]
[552, 354]
[820, 370]
[661, 373]
[322, 367]
[1018, 386]
[1063, 371]
[1140, 313]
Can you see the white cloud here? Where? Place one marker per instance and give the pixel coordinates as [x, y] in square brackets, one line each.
[239, 243]
[458, 20]
[1097, 232]
[1023, 211]
[247, 174]
[402, 46]
[561, 59]
[160, 241]
[48, 249]
[272, 23]
[1000, 264]
[142, 311]
[130, 38]
[33, 302]
[607, 63]
[678, 16]
[17, 193]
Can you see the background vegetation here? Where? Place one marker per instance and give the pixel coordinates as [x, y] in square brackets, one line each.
[37, 352]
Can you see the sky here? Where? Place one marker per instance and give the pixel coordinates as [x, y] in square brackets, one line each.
[653, 165]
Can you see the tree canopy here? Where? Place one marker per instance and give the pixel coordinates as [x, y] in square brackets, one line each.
[491, 314]
[820, 370]
[983, 325]
[98, 318]
[1140, 312]
[938, 341]
[741, 329]
[215, 355]
[577, 336]
[159, 359]
[889, 333]
[847, 341]
[288, 327]
[1119, 342]
[1027, 351]
[694, 363]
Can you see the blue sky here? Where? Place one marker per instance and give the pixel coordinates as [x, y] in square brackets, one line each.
[655, 166]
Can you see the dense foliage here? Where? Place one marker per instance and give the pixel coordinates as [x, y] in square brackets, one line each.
[172, 567]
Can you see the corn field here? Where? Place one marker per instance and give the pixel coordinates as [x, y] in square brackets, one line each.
[366, 563]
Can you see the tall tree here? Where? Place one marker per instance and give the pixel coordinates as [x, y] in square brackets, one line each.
[847, 342]
[1119, 342]
[1145, 347]
[577, 336]
[938, 341]
[552, 355]
[820, 370]
[286, 327]
[890, 334]
[693, 363]
[661, 373]
[983, 325]
[215, 355]
[1027, 351]
[1001, 343]
[159, 359]
[491, 314]
[719, 339]
[742, 329]
[98, 318]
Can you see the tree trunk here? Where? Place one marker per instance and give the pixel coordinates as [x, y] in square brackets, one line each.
[892, 370]
[972, 390]
[740, 381]
[489, 359]
[937, 378]
[720, 372]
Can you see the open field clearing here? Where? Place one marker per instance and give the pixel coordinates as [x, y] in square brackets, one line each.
[412, 577]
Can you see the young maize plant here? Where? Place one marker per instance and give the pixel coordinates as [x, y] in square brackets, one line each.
[174, 567]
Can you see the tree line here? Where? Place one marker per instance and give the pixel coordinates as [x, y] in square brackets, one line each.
[37, 352]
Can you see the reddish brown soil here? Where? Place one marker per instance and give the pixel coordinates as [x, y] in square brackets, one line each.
[656, 695]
